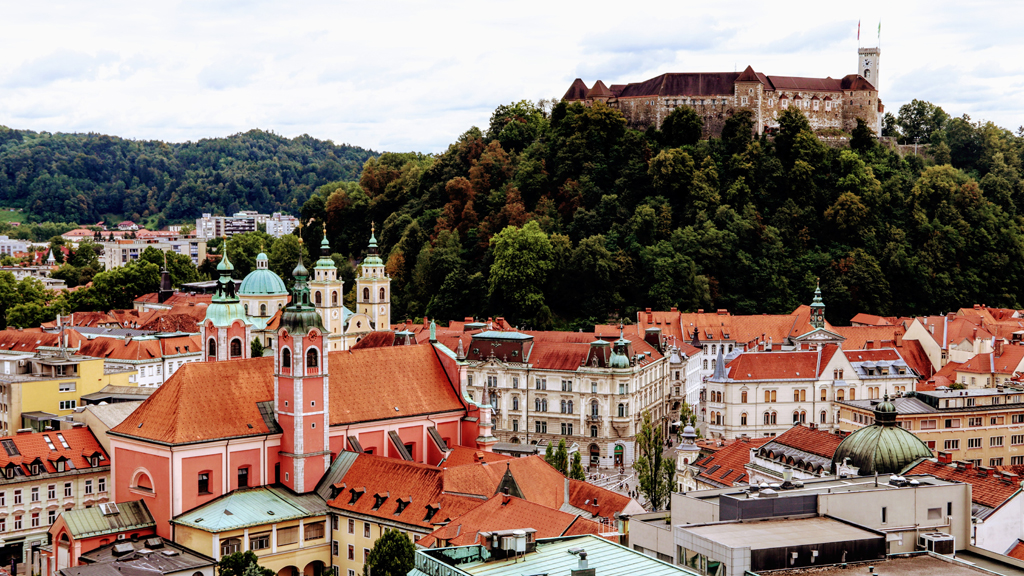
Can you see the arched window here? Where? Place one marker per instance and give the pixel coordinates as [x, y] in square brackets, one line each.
[211, 348]
[236, 348]
[569, 407]
[594, 408]
[515, 403]
[743, 419]
[318, 299]
[311, 358]
[622, 410]
[381, 294]
[286, 358]
[366, 294]
[334, 297]
[263, 309]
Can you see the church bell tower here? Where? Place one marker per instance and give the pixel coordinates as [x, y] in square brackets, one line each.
[373, 288]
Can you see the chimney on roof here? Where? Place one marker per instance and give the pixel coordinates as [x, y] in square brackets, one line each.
[945, 457]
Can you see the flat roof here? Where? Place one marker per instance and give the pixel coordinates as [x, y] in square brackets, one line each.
[829, 485]
[769, 534]
[919, 565]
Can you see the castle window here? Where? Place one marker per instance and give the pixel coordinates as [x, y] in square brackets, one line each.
[311, 358]
[211, 348]
[366, 294]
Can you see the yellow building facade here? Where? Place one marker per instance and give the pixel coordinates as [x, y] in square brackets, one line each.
[36, 389]
[984, 426]
[288, 532]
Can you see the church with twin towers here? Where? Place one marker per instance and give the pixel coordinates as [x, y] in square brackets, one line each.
[235, 318]
[828, 103]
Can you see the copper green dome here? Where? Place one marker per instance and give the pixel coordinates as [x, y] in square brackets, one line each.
[261, 281]
[881, 448]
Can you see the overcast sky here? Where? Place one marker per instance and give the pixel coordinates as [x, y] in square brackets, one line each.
[404, 76]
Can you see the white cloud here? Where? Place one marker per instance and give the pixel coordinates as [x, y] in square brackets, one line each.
[406, 75]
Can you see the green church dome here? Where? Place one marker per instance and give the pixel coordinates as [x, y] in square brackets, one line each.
[881, 448]
[262, 281]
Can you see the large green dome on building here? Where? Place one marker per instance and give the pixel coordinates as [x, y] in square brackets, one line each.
[881, 448]
[262, 281]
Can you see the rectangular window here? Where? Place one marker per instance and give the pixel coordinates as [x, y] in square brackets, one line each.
[286, 536]
[995, 442]
[366, 529]
[259, 541]
[951, 445]
[973, 443]
[313, 531]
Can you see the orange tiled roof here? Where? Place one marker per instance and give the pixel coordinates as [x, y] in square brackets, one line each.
[780, 365]
[460, 456]
[398, 479]
[991, 491]
[872, 320]
[729, 463]
[988, 363]
[187, 409]
[81, 444]
[813, 441]
[502, 512]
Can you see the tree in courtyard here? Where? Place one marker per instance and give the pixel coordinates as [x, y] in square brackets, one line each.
[242, 564]
[576, 472]
[392, 555]
[653, 472]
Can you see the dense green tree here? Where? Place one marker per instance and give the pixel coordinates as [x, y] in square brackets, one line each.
[653, 472]
[393, 554]
[242, 564]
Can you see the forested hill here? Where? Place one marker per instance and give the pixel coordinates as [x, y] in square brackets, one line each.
[567, 218]
[84, 177]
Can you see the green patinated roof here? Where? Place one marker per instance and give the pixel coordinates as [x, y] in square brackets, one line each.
[88, 522]
[252, 507]
[262, 282]
[883, 447]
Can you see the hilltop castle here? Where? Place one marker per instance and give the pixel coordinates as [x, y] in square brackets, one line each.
[826, 102]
